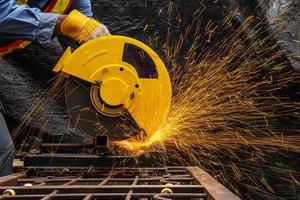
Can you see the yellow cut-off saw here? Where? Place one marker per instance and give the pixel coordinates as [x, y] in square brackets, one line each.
[116, 87]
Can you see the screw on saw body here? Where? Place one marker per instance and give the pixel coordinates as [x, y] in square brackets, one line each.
[132, 95]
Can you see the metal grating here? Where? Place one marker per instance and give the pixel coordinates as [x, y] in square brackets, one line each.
[126, 183]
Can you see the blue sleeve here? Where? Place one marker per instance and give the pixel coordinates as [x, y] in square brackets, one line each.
[83, 6]
[24, 22]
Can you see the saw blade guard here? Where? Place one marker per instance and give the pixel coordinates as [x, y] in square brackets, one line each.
[125, 76]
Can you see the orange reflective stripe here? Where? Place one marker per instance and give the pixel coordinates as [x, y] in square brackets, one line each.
[13, 45]
[50, 6]
[55, 6]
[67, 8]
[18, 44]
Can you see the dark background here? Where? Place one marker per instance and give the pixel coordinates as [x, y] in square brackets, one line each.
[24, 74]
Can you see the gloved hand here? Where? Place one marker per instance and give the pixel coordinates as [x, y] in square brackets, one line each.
[82, 28]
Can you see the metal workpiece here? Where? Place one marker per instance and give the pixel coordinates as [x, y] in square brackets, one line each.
[83, 161]
[120, 183]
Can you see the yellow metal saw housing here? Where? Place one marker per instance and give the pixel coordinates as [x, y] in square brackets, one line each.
[126, 75]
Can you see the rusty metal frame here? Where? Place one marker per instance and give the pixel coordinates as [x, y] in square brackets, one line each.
[122, 183]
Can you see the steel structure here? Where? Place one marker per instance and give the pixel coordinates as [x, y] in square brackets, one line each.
[120, 183]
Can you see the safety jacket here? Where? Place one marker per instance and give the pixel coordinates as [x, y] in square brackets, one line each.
[52, 6]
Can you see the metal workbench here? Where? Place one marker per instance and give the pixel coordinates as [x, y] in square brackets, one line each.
[119, 183]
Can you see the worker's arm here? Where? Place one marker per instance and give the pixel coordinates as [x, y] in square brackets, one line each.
[24, 22]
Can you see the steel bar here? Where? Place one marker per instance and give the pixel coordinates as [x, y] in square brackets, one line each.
[161, 197]
[11, 179]
[88, 197]
[72, 181]
[214, 189]
[52, 194]
[135, 181]
[103, 189]
[105, 181]
[189, 178]
[129, 195]
[85, 161]
[26, 180]
[65, 145]
[110, 196]
[40, 184]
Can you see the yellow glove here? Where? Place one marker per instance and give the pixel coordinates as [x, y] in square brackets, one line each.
[82, 28]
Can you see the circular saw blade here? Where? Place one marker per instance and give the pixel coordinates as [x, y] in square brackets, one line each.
[89, 120]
